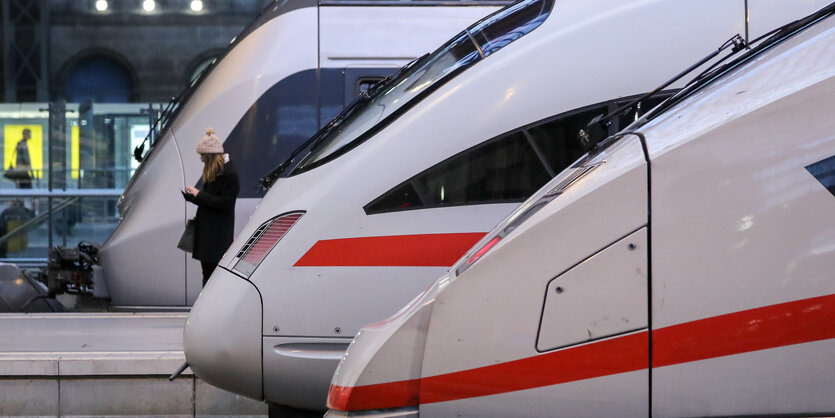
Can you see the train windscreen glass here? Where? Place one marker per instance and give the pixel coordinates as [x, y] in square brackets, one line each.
[459, 53]
[480, 40]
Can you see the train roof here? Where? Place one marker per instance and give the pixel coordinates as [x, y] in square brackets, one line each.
[415, 2]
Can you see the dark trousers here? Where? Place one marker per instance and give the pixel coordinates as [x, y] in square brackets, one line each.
[208, 268]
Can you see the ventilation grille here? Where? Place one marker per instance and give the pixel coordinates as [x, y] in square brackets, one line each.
[254, 238]
[263, 240]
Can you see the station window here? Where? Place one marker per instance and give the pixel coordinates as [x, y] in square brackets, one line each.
[101, 79]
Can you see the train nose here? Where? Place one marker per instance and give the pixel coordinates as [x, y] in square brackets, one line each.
[222, 337]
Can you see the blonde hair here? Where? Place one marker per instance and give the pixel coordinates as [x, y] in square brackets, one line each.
[212, 167]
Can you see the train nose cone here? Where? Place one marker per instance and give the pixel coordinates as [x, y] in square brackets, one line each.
[222, 337]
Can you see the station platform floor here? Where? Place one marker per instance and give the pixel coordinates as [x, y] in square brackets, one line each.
[104, 364]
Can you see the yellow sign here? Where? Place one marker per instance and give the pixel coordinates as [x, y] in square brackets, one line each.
[74, 151]
[12, 135]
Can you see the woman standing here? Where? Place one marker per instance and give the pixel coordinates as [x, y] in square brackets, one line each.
[215, 202]
[23, 160]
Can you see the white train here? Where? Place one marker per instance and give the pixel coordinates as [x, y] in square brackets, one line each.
[296, 66]
[685, 267]
[376, 206]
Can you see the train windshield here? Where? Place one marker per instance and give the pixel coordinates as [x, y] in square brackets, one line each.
[408, 88]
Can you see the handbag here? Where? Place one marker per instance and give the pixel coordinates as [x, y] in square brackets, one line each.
[16, 174]
[187, 240]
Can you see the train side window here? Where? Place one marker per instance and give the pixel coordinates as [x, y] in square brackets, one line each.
[506, 169]
[365, 83]
[557, 139]
[633, 114]
[360, 79]
[403, 197]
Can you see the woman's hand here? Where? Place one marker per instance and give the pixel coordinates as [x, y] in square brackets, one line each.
[192, 190]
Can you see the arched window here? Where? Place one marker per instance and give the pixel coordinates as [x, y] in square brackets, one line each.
[100, 79]
[199, 66]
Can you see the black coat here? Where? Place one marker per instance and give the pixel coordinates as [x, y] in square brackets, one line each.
[215, 215]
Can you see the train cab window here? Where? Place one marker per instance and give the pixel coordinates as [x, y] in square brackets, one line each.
[365, 83]
[360, 79]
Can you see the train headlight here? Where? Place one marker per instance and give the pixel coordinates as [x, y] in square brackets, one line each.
[263, 240]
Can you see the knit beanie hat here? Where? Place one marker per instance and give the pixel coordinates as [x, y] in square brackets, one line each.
[210, 144]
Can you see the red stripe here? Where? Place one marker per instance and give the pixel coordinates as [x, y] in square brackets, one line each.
[429, 250]
[617, 355]
[772, 326]
[384, 395]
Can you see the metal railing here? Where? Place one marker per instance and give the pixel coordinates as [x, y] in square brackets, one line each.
[54, 217]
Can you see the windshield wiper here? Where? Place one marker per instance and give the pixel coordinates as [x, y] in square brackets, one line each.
[267, 181]
[152, 133]
[591, 135]
[597, 129]
[763, 42]
[362, 98]
[379, 86]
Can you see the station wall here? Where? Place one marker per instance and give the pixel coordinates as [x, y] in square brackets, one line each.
[160, 52]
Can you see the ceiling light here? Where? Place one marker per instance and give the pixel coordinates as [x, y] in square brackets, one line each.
[196, 5]
[149, 5]
[101, 5]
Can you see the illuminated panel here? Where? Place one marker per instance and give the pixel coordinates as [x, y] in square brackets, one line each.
[74, 153]
[12, 134]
